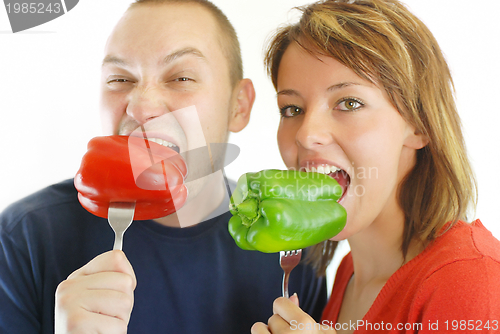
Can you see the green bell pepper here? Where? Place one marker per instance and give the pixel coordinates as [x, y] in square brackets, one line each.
[279, 210]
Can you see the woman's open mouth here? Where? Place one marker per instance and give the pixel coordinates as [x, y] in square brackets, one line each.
[340, 175]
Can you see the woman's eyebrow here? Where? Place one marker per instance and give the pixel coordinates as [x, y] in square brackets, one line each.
[342, 85]
[288, 92]
[292, 92]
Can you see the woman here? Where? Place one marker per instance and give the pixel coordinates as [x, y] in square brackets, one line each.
[363, 86]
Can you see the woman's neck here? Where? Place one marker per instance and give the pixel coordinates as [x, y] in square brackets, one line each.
[377, 251]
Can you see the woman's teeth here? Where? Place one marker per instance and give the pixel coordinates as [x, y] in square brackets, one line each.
[323, 169]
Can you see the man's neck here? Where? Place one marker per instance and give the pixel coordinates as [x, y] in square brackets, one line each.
[201, 206]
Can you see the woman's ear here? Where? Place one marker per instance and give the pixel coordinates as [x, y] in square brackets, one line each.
[242, 105]
[415, 139]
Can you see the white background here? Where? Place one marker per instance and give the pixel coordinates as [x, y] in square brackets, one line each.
[49, 94]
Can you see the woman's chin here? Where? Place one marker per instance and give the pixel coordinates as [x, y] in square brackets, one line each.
[343, 235]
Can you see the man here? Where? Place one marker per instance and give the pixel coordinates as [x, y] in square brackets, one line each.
[163, 58]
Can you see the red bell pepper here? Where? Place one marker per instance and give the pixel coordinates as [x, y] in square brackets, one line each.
[131, 169]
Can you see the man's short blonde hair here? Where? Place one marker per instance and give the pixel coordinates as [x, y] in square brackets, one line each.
[228, 41]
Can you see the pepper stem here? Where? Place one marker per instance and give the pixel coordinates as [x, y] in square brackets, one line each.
[248, 210]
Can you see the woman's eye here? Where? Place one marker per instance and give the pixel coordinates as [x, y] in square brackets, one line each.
[290, 111]
[349, 104]
[183, 79]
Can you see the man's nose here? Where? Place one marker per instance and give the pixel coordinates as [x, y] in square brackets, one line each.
[316, 128]
[146, 103]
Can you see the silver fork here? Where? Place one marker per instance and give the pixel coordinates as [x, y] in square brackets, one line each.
[120, 216]
[288, 261]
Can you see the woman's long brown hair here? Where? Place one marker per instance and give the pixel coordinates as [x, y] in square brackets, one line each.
[383, 42]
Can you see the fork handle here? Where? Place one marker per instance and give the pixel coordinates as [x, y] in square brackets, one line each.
[286, 275]
[118, 241]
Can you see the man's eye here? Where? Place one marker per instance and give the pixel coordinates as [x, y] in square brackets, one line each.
[183, 79]
[117, 80]
[349, 104]
[290, 111]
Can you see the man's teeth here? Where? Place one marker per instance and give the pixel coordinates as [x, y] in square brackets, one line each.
[162, 142]
[324, 169]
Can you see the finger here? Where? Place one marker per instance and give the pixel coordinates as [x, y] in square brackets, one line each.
[114, 261]
[70, 290]
[108, 302]
[295, 299]
[106, 281]
[277, 324]
[289, 311]
[71, 296]
[259, 328]
[82, 321]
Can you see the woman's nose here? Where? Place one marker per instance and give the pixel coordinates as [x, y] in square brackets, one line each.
[315, 130]
[146, 103]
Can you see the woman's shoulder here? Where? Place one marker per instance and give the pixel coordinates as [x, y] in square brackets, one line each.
[459, 274]
[484, 241]
[466, 252]
[468, 241]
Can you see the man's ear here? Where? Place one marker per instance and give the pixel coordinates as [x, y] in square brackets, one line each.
[415, 139]
[244, 94]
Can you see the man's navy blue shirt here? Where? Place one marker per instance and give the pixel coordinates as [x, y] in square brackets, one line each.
[189, 280]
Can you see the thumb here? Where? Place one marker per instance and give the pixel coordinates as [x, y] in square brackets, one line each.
[295, 299]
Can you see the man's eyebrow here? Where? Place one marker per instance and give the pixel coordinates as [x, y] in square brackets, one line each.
[292, 92]
[114, 60]
[183, 52]
[168, 59]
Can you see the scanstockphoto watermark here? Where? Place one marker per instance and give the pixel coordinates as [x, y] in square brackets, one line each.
[279, 183]
[468, 325]
[297, 189]
[357, 325]
[351, 172]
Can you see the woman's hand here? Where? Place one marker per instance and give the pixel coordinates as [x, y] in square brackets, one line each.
[289, 318]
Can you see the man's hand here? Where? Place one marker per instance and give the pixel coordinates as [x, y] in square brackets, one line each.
[289, 318]
[97, 298]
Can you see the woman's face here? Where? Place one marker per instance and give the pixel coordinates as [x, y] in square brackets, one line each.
[333, 119]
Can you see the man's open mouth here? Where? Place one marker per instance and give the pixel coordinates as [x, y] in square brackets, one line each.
[164, 143]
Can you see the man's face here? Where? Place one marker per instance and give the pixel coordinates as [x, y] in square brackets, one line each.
[158, 60]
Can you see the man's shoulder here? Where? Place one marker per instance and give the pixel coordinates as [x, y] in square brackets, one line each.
[48, 201]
